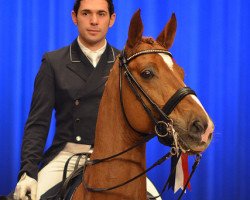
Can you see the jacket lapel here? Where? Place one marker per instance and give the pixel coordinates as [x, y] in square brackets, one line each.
[79, 64]
[100, 74]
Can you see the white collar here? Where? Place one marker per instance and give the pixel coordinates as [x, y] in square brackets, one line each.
[93, 56]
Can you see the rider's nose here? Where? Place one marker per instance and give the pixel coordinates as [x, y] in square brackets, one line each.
[94, 20]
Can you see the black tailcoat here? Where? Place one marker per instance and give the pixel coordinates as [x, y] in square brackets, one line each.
[68, 83]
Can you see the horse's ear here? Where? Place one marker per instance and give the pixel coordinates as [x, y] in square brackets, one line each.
[135, 30]
[166, 38]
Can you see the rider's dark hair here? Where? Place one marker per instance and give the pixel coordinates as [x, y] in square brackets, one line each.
[110, 6]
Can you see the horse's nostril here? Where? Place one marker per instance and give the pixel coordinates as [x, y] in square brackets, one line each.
[197, 127]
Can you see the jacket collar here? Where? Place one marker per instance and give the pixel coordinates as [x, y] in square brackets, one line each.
[81, 66]
[75, 53]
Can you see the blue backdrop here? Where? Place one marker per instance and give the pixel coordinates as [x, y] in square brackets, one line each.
[212, 45]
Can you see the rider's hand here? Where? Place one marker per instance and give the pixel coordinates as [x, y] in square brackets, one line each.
[26, 184]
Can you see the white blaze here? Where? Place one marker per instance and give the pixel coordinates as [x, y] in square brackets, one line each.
[210, 127]
[168, 60]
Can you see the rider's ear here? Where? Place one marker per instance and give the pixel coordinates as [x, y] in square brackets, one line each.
[135, 30]
[166, 37]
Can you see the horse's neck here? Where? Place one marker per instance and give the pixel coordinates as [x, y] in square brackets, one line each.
[113, 135]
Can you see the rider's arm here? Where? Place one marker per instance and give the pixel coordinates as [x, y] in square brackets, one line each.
[38, 123]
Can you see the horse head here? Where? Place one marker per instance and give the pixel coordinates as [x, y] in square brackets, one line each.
[153, 75]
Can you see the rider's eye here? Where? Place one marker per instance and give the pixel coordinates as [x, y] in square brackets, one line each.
[147, 74]
[84, 13]
[102, 14]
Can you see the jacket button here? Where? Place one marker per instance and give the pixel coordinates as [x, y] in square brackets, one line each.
[78, 138]
[77, 102]
[77, 120]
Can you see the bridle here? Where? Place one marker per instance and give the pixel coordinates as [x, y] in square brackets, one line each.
[163, 126]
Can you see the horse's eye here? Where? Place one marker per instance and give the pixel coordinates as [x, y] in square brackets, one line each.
[147, 74]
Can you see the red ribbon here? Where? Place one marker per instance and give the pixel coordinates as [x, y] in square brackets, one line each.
[184, 160]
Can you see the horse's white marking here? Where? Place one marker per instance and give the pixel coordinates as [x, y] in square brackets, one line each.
[209, 130]
[205, 137]
[168, 60]
[198, 101]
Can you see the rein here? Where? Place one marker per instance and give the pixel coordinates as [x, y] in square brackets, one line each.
[163, 127]
[171, 153]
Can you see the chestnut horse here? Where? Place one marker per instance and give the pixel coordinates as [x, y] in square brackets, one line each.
[136, 104]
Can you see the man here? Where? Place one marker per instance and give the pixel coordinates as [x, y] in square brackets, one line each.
[71, 81]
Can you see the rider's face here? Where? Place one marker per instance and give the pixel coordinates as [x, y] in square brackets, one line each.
[93, 20]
